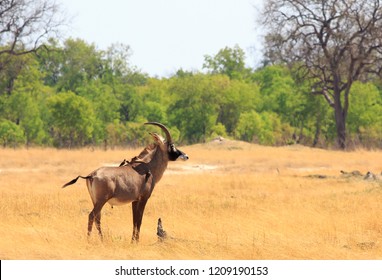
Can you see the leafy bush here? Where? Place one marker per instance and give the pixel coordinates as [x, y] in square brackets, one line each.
[11, 135]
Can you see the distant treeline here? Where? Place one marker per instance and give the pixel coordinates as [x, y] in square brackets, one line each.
[74, 95]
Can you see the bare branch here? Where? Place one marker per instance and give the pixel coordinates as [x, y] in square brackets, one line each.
[25, 24]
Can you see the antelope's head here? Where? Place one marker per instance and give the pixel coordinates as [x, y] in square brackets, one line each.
[173, 153]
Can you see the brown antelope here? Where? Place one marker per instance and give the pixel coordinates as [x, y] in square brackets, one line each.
[133, 181]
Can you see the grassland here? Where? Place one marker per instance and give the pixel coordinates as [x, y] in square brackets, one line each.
[231, 200]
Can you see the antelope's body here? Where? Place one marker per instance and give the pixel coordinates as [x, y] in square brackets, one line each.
[132, 182]
[121, 185]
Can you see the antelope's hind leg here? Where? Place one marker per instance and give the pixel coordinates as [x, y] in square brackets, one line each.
[95, 215]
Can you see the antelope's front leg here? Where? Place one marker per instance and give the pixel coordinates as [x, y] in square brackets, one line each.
[138, 209]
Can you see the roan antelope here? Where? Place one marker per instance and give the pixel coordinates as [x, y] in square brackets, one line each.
[132, 181]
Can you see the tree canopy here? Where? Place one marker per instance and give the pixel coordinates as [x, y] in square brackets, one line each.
[72, 94]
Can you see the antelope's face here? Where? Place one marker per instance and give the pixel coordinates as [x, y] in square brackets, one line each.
[174, 153]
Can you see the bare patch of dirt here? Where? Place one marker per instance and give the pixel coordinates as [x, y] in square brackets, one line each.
[191, 169]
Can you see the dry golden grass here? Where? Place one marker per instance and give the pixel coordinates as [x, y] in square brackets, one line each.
[231, 200]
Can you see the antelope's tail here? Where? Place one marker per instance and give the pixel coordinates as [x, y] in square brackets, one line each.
[75, 180]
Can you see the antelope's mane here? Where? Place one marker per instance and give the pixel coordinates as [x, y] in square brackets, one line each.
[147, 153]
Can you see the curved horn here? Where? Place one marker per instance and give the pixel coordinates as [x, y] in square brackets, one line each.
[165, 130]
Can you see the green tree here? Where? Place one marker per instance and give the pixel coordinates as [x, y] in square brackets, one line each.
[132, 105]
[263, 128]
[51, 60]
[22, 104]
[228, 61]
[9, 73]
[80, 64]
[196, 105]
[154, 95]
[105, 104]
[72, 119]
[24, 110]
[278, 90]
[365, 118]
[117, 60]
[236, 97]
[280, 94]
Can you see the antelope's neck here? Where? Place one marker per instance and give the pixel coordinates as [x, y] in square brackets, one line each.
[158, 164]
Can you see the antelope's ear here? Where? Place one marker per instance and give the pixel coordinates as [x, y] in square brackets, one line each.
[159, 139]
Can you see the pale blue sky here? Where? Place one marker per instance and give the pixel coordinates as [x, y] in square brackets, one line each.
[166, 35]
